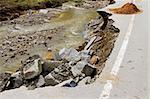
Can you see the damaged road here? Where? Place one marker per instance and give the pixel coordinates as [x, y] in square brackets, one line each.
[87, 61]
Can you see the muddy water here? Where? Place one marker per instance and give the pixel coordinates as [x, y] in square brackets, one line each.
[72, 21]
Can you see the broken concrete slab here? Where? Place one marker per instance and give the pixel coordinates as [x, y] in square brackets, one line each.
[33, 69]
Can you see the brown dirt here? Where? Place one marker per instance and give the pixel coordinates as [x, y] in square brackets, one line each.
[128, 8]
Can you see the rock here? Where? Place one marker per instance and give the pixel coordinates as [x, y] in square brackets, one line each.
[40, 82]
[63, 74]
[17, 27]
[4, 78]
[50, 80]
[69, 54]
[70, 84]
[77, 69]
[56, 70]
[49, 66]
[16, 80]
[43, 11]
[32, 69]
[94, 59]
[89, 70]
[58, 75]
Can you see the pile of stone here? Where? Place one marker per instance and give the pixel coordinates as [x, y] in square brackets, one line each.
[35, 72]
[69, 67]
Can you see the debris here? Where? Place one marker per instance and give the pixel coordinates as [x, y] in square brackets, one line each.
[43, 11]
[69, 54]
[90, 43]
[50, 80]
[77, 69]
[69, 66]
[32, 69]
[89, 71]
[16, 80]
[128, 8]
[85, 55]
[4, 78]
[49, 66]
[40, 82]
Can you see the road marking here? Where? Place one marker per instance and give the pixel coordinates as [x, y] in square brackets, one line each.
[108, 86]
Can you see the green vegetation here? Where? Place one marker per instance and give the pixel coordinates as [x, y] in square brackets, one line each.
[5, 3]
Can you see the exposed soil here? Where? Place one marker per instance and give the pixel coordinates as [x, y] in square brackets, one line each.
[128, 8]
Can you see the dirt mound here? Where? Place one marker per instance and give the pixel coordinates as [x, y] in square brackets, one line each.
[128, 8]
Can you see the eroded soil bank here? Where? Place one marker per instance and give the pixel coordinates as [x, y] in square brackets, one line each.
[60, 46]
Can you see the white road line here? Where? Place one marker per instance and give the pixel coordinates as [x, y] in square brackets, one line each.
[108, 86]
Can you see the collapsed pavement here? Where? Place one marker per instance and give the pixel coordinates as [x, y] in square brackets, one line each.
[70, 67]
